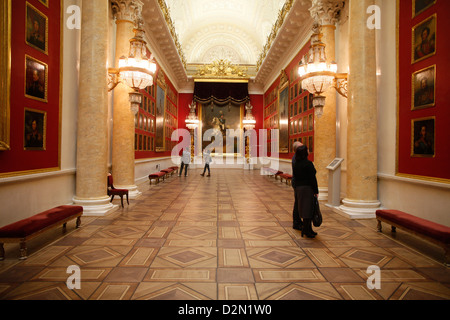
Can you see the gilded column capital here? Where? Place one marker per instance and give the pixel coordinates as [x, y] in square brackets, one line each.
[129, 10]
[326, 12]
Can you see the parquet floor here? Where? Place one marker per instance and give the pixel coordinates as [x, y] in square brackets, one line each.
[226, 237]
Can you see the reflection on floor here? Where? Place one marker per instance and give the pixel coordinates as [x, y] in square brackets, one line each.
[228, 236]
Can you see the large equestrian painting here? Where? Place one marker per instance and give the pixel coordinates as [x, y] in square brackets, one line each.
[220, 119]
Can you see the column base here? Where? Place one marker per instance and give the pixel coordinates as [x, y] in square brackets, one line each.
[323, 193]
[359, 209]
[133, 191]
[99, 207]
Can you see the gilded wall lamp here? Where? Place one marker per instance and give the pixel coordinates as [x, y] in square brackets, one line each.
[317, 75]
[136, 70]
[192, 123]
[249, 123]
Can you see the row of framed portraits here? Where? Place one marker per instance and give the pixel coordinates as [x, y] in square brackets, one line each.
[424, 41]
[302, 125]
[307, 141]
[143, 142]
[36, 77]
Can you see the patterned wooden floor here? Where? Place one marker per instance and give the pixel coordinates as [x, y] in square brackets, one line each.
[228, 236]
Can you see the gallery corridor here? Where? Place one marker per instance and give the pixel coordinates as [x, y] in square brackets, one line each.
[228, 236]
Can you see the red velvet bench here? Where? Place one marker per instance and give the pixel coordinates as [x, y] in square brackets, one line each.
[431, 231]
[272, 172]
[26, 229]
[277, 174]
[287, 177]
[174, 168]
[156, 176]
[168, 171]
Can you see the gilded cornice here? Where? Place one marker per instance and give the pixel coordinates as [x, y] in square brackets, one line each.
[275, 29]
[166, 13]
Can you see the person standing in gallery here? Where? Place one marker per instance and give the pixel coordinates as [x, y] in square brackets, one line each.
[306, 189]
[297, 222]
[208, 160]
[185, 160]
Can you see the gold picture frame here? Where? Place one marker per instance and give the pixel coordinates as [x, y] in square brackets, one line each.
[423, 88]
[36, 79]
[419, 6]
[423, 137]
[36, 28]
[35, 129]
[160, 113]
[424, 35]
[5, 74]
[44, 2]
[283, 113]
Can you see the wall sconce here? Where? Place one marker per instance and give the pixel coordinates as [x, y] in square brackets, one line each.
[136, 70]
[317, 76]
[192, 119]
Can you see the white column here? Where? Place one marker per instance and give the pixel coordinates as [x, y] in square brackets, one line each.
[92, 136]
[326, 13]
[362, 158]
[123, 156]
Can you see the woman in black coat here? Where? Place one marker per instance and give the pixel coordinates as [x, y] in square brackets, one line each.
[306, 188]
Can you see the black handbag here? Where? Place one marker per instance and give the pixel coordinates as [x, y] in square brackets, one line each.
[317, 215]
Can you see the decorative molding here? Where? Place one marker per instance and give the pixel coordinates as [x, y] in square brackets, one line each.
[166, 13]
[128, 10]
[276, 28]
[222, 69]
[326, 12]
[283, 78]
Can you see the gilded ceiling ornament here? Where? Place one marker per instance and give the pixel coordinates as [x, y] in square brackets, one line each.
[222, 68]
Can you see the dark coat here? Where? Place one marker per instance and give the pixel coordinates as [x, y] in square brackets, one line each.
[304, 174]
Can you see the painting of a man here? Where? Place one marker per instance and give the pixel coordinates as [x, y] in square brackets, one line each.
[36, 29]
[34, 130]
[425, 39]
[35, 79]
[424, 88]
[423, 139]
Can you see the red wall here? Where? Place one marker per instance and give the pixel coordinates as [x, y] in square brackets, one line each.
[292, 73]
[17, 159]
[437, 166]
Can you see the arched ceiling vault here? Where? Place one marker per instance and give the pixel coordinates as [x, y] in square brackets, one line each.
[200, 31]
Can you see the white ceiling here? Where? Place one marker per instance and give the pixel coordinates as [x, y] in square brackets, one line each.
[235, 30]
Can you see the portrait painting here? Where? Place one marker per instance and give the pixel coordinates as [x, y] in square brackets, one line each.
[423, 137]
[424, 39]
[35, 129]
[420, 6]
[424, 88]
[220, 119]
[36, 29]
[283, 99]
[36, 79]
